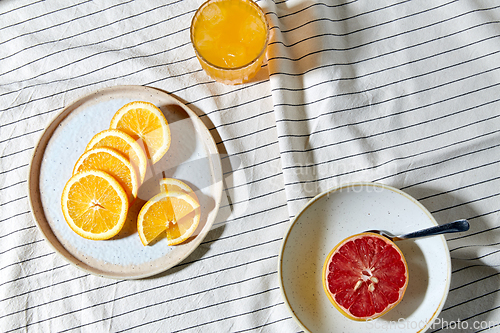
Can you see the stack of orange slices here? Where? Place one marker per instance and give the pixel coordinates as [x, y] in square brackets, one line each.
[107, 176]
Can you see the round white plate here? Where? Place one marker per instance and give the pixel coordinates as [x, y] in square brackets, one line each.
[347, 210]
[192, 158]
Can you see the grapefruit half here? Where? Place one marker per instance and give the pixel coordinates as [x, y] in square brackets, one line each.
[365, 276]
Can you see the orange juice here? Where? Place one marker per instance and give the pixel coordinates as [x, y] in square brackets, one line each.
[230, 38]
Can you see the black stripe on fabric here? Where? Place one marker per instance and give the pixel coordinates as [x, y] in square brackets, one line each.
[202, 308]
[239, 121]
[467, 318]
[65, 79]
[123, 281]
[110, 50]
[15, 153]
[394, 83]
[426, 121]
[206, 241]
[13, 200]
[15, 215]
[391, 175]
[417, 108]
[21, 135]
[470, 317]
[26, 260]
[385, 38]
[465, 203]
[98, 27]
[376, 40]
[470, 246]
[231, 90]
[15, 184]
[398, 158]
[357, 107]
[233, 203]
[253, 181]
[449, 175]
[31, 242]
[231, 251]
[434, 55]
[230, 317]
[479, 257]
[461, 187]
[259, 131]
[33, 290]
[247, 231]
[19, 278]
[472, 266]
[343, 4]
[39, 16]
[21, 7]
[16, 231]
[135, 309]
[439, 162]
[410, 156]
[263, 211]
[475, 281]
[356, 16]
[263, 325]
[13, 169]
[250, 166]
[238, 105]
[67, 37]
[243, 152]
[108, 65]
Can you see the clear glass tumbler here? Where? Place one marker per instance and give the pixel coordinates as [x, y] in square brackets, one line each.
[230, 39]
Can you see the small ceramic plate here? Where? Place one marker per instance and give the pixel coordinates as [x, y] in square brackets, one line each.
[192, 158]
[347, 210]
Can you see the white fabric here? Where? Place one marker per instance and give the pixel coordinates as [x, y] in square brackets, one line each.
[403, 93]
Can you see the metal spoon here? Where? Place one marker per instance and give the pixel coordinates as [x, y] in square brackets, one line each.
[457, 226]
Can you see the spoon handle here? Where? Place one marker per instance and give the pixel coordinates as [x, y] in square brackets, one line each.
[457, 226]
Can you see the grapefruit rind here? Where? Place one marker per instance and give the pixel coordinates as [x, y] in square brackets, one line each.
[331, 297]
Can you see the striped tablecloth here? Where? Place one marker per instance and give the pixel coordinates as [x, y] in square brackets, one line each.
[404, 93]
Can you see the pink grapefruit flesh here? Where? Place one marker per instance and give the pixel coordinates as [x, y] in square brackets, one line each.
[365, 276]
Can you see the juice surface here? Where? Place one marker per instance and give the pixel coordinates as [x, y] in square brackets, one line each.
[230, 33]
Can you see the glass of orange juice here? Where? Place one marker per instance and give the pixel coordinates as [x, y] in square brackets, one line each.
[230, 39]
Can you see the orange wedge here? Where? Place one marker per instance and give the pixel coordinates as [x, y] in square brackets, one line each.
[112, 162]
[124, 144]
[173, 184]
[143, 120]
[174, 213]
[94, 205]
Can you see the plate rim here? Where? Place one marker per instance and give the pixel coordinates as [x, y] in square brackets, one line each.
[34, 197]
[338, 188]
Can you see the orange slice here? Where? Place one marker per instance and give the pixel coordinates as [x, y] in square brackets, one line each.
[365, 276]
[175, 213]
[124, 144]
[173, 184]
[143, 120]
[94, 205]
[112, 162]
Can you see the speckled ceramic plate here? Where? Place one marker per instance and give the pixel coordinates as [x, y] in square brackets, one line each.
[347, 210]
[192, 158]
